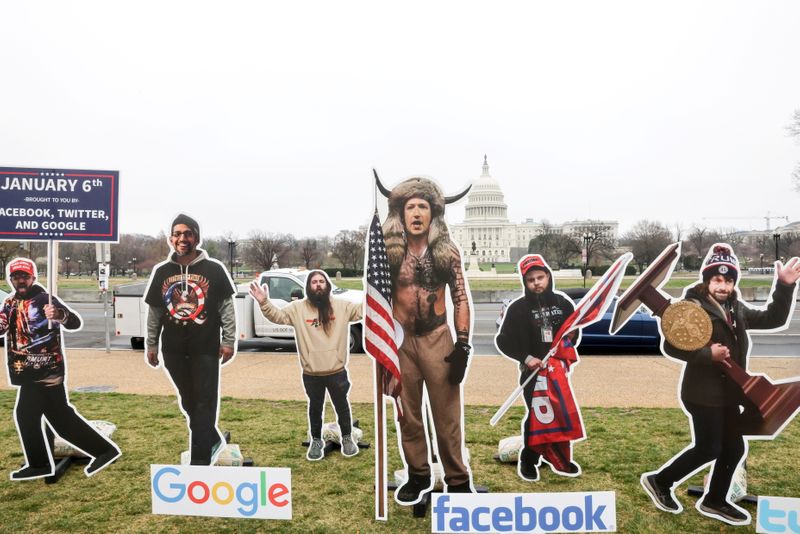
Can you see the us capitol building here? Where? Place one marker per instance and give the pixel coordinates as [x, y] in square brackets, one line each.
[496, 239]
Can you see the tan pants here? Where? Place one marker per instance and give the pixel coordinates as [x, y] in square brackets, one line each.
[422, 362]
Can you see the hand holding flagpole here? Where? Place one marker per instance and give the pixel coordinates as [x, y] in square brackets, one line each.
[588, 311]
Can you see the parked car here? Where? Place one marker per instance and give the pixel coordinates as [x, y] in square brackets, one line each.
[284, 285]
[640, 332]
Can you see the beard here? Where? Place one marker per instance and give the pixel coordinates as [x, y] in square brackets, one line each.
[322, 302]
[319, 298]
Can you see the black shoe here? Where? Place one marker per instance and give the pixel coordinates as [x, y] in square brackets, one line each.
[572, 469]
[409, 493]
[102, 461]
[529, 465]
[464, 487]
[661, 496]
[28, 472]
[724, 511]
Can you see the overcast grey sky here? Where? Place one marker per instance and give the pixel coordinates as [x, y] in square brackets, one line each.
[271, 115]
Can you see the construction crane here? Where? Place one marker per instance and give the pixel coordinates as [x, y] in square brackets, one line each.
[767, 218]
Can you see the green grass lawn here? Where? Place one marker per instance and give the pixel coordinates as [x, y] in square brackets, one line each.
[337, 494]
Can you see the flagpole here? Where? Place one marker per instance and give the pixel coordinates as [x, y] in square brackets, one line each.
[517, 392]
[380, 450]
[380, 417]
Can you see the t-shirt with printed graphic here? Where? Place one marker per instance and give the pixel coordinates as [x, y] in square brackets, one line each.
[34, 346]
[189, 299]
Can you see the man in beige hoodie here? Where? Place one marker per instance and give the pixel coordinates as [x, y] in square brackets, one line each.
[321, 326]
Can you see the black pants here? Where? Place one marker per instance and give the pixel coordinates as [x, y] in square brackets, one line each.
[197, 378]
[717, 437]
[35, 401]
[337, 385]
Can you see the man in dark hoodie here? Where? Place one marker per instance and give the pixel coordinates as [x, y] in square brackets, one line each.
[190, 299]
[32, 326]
[719, 411]
[527, 335]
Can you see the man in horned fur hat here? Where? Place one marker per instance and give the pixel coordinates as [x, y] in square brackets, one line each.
[423, 261]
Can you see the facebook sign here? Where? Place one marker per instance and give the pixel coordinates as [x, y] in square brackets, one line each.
[524, 512]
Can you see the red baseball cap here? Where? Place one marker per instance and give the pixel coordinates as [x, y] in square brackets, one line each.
[532, 261]
[21, 265]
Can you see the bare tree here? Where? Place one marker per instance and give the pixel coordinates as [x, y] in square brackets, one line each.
[348, 248]
[601, 242]
[647, 239]
[266, 249]
[308, 251]
[700, 239]
[8, 251]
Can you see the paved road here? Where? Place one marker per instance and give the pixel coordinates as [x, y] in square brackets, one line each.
[786, 343]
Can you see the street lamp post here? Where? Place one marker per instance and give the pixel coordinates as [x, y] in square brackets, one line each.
[80, 267]
[777, 238]
[588, 237]
[134, 265]
[67, 260]
[231, 255]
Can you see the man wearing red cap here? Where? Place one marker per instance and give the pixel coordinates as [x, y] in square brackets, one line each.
[526, 335]
[718, 409]
[32, 326]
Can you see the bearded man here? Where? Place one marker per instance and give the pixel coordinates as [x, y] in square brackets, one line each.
[719, 411]
[526, 335]
[190, 299]
[321, 326]
[423, 263]
[32, 326]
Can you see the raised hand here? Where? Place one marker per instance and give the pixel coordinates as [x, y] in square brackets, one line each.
[259, 293]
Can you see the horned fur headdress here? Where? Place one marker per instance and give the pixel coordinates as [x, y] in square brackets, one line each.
[439, 243]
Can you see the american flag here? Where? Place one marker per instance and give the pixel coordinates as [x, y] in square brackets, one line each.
[379, 322]
[592, 307]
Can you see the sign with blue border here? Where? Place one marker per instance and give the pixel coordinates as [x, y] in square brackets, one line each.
[58, 204]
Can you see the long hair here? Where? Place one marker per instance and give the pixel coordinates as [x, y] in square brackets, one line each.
[323, 303]
[438, 235]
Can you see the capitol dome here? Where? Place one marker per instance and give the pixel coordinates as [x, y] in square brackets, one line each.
[485, 200]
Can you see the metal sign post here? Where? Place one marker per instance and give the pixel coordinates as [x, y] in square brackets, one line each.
[102, 278]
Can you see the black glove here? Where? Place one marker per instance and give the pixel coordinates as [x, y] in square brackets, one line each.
[458, 362]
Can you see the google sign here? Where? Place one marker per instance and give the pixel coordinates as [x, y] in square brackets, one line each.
[251, 492]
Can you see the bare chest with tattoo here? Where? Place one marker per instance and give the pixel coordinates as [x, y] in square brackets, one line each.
[419, 300]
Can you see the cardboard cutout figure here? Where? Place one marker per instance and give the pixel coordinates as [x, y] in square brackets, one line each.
[529, 326]
[32, 322]
[423, 263]
[712, 336]
[190, 302]
[322, 325]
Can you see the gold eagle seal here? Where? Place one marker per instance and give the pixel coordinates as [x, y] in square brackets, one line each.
[686, 325]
